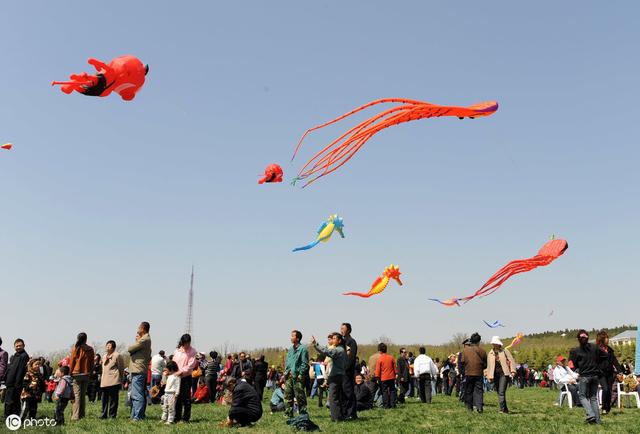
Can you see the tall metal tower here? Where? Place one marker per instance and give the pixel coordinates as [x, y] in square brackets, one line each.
[189, 324]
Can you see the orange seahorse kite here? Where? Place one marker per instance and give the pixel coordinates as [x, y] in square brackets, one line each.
[379, 285]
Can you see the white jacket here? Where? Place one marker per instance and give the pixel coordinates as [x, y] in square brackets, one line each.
[173, 385]
[564, 375]
[424, 365]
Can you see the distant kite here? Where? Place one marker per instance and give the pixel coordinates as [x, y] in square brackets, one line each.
[326, 229]
[125, 76]
[379, 285]
[551, 313]
[515, 342]
[340, 150]
[494, 324]
[551, 251]
[273, 173]
[6, 146]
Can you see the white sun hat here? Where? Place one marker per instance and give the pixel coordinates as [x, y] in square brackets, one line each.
[496, 341]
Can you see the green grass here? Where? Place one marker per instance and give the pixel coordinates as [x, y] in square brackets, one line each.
[532, 411]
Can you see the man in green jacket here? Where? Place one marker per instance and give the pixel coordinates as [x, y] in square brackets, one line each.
[140, 354]
[296, 369]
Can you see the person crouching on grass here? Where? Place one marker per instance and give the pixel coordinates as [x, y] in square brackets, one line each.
[246, 407]
[171, 393]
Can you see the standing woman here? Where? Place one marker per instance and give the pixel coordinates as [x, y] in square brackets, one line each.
[500, 368]
[609, 367]
[185, 358]
[81, 367]
[112, 372]
[211, 375]
[93, 390]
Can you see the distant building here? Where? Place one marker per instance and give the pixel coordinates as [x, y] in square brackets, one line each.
[627, 337]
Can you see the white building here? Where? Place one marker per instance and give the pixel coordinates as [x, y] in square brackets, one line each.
[627, 337]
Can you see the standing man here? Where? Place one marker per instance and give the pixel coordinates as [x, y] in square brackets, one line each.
[403, 375]
[474, 361]
[140, 354]
[16, 370]
[371, 364]
[296, 368]
[4, 361]
[386, 373]
[158, 363]
[349, 379]
[243, 369]
[587, 359]
[260, 375]
[425, 370]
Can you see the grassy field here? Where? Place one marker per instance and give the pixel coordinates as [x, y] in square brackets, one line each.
[532, 410]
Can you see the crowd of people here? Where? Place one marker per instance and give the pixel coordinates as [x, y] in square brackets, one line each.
[351, 385]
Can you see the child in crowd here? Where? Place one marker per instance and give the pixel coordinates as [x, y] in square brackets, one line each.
[63, 393]
[277, 398]
[171, 391]
[33, 386]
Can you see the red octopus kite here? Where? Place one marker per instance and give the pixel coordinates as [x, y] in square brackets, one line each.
[124, 76]
[546, 255]
[340, 150]
[273, 173]
[6, 146]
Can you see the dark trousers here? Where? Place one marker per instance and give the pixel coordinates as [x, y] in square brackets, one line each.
[212, 382]
[403, 388]
[500, 383]
[388, 393]
[12, 401]
[243, 415]
[606, 382]
[183, 402]
[424, 387]
[259, 384]
[335, 397]
[474, 393]
[110, 401]
[349, 409]
[59, 413]
[29, 408]
[320, 391]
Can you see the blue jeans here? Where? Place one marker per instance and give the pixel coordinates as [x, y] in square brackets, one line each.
[156, 379]
[588, 394]
[138, 396]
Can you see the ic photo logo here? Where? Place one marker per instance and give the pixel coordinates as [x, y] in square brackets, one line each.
[14, 423]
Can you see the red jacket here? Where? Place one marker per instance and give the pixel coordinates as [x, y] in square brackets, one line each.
[386, 367]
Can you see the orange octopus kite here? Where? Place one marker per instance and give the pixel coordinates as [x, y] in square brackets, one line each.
[340, 150]
[546, 255]
[124, 75]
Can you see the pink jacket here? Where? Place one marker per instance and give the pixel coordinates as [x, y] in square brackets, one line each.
[186, 361]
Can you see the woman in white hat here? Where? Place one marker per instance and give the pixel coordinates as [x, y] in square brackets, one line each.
[500, 373]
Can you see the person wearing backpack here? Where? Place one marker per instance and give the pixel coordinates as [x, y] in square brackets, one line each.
[63, 393]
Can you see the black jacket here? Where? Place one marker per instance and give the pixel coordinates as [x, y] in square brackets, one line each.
[240, 367]
[245, 396]
[17, 369]
[403, 369]
[607, 366]
[587, 360]
[364, 398]
[260, 370]
[352, 352]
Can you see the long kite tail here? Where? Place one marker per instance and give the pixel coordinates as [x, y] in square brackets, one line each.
[307, 247]
[448, 303]
[354, 111]
[358, 294]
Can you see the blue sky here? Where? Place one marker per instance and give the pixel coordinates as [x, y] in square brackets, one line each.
[105, 204]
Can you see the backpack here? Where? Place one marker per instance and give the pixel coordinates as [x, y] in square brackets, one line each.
[302, 423]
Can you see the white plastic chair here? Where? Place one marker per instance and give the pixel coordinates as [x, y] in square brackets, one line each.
[628, 395]
[564, 391]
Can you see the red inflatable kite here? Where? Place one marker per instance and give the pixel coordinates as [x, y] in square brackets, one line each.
[124, 76]
[339, 151]
[273, 173]
[546, 255]
[6, 146]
